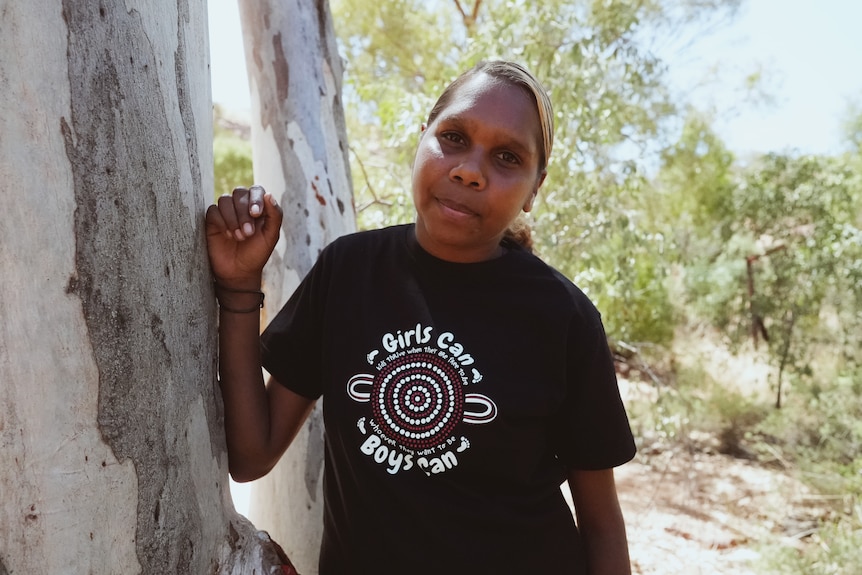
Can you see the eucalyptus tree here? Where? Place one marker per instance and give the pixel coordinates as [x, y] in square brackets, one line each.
[299, 153]
[112, 454]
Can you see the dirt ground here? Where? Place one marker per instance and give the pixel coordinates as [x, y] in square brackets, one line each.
[692, 510]
[698, 513]
[693, 513]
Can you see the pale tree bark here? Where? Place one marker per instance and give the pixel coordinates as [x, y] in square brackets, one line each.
[299, 148]
[112, 456]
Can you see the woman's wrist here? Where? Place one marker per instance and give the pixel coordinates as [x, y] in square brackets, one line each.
[238, 299]
[250, 282]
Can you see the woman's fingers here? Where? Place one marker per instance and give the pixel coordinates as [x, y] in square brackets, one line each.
[272, 219]
[242, 230]
[244, 211]
[255, 201]
[214, 221]
[241, 205]
[239, 209]
[227, 209]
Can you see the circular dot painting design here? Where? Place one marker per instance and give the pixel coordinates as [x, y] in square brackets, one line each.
[417, 399]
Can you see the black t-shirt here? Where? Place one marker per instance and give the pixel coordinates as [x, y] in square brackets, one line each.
[456, 396]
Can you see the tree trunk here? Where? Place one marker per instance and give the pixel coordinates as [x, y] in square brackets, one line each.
[112, 456]
[299, 148]
[789, 324]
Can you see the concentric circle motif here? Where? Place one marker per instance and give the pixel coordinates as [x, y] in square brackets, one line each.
[418, 399]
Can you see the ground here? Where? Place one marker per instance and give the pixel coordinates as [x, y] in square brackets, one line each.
[694, 512]
[700, 512]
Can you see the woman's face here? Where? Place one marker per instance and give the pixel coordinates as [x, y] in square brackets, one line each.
[476, 168]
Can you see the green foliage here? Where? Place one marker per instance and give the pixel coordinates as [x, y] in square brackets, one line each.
[699, 403]
[715, 286]
[794, 223]
[616, 257]
[796, 219]
[822, 422]
[836, 549]
[820, 430]
[695, 187]
[232, 163]
[786, 258]
[799, 209]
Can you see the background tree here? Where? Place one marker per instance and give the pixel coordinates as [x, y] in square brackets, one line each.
[790, 260]
[611, 102]
[113, 458]
[299, 149]
[694, 188]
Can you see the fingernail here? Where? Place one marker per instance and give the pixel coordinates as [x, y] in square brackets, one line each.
[255, 210]
[248, 229]
[238, 235]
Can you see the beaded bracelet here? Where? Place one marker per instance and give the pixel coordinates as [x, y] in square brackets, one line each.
[232, 290]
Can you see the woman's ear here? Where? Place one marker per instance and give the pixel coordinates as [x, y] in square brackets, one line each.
[528, 205]
[541, 179]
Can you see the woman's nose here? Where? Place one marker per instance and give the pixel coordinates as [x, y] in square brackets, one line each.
[469, 172]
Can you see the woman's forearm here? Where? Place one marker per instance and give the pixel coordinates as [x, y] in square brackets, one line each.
[600, 521]
[607, 551]
[246, 405]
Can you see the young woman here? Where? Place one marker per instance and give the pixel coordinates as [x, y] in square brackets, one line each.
[464, 379]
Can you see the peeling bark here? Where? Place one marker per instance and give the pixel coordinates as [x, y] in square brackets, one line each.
[300, 155]
[112, 455]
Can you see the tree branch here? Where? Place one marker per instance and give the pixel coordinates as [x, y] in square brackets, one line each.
[376, 199]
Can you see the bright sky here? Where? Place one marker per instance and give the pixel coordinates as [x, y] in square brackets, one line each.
[809, 50]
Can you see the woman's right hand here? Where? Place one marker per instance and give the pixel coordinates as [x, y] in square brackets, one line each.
[242, 230]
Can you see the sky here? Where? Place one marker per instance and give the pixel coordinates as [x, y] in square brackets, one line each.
[810, 52]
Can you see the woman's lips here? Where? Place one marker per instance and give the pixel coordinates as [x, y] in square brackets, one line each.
[458, 208]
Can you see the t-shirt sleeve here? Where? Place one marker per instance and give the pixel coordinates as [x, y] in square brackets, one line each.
[291, 345]
[592, 430]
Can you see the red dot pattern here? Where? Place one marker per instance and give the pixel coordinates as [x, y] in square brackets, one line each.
[418, 399]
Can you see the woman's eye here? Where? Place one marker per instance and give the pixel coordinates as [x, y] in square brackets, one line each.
[453, 137]
[509, 157]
